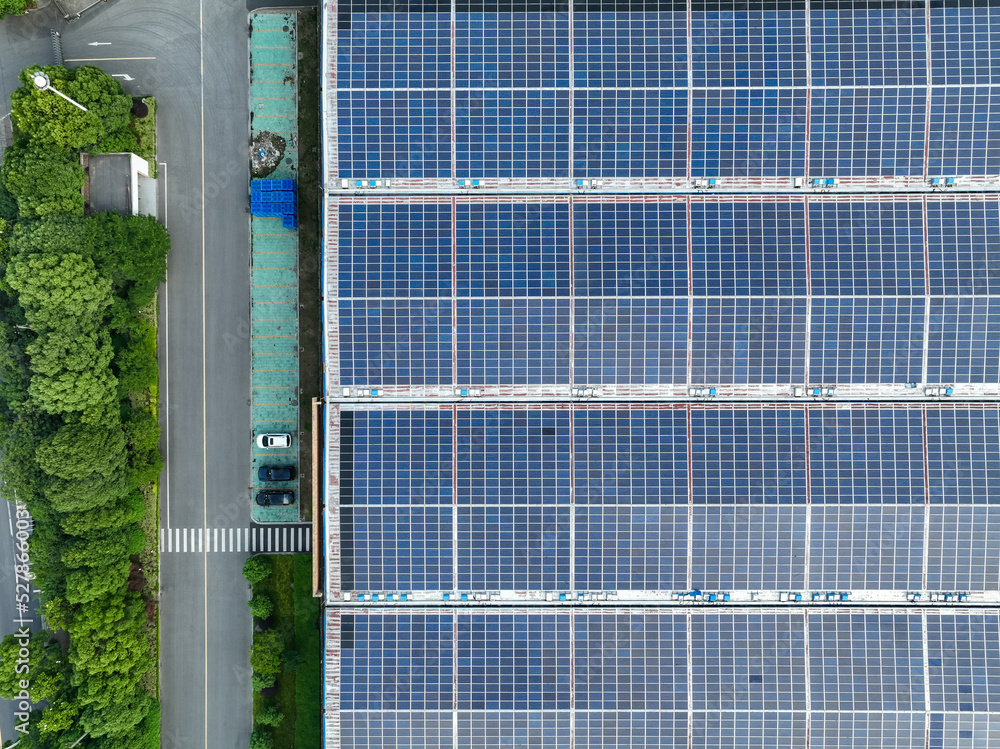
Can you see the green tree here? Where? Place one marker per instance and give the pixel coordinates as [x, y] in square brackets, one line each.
[261, 739]
[57, 352]
[104, 547]
[78, 450]
[45, 549]
[74, 392]
[59, 292]
[261, 606]
[52, 234]
[257, 568]
[120, 510]
[58, 717]
[131, 251]
[52, 120]
[135, 363]
[13, 7]
[44, 180]
[114, 706]
[262, 681]
[90, 583]
[265, 655]
[8, 203]
[41, 669]
[270, 716]
[91, 493]
[142, 432]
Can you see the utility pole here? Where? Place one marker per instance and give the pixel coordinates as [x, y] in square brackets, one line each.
[42, 83]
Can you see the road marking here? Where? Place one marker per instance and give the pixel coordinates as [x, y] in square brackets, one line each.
[185, 542]
[204, 347]
[166, 196]
[106, 59]
[165, 499]
[284, 538]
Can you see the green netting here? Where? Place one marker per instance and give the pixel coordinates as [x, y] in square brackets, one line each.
[264, 311]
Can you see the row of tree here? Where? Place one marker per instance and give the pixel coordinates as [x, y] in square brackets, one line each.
[78, 371]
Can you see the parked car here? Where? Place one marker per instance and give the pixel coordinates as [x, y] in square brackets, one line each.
[271, 441]
[272, 497]
[276, 473]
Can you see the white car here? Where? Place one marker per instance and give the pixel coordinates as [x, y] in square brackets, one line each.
[268, 441]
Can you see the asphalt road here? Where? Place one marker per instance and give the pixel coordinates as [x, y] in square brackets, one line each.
[198, 73]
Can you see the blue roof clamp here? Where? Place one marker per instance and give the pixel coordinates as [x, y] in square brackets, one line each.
[447, 596]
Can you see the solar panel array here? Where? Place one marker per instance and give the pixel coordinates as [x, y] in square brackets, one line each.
[629, 302]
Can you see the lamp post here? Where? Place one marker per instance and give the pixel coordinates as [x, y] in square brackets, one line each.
[42, 83]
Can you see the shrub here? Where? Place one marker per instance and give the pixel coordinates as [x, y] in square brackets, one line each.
[262, 681]
[261, 739]
[257, 568]
[270, 716]
[261, 605]
[265, 655]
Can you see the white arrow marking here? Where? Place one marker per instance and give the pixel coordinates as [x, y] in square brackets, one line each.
[99, 44]
[126, 76]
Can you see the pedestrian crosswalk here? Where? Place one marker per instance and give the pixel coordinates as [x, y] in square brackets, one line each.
[273, 538]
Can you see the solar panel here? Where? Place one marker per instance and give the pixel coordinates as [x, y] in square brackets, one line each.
[962, 445]
[524, 133]
[749, 48]
[630, 548]
[748, 661]
[629, 661]
[847, 730]
[394, 133]
[617, 50]
[395, 50]
[479, 730]
[960, 235]
[867, 340]
[512, 250]
[511, 50]
[962, 730]
[866, 457]
[513, 548]
[963, 136]
[748, 341]
[390, 342]
[871, 547]
[964, 343]
[963, 653]
[630, 729]
[397, 548]
[748, 249]
[768, 730]
[963, 548]
[394, 251]
[513, 661]
[960, 44]
[364, 729]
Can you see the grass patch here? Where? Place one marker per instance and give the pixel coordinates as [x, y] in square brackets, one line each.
[308, 696]
[310, 303]
[145, 132]
[279, 587]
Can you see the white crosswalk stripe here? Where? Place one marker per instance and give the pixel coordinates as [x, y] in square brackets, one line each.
[285, 538]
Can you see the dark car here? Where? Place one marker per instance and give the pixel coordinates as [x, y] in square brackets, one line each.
[271, 497]
[276, 473]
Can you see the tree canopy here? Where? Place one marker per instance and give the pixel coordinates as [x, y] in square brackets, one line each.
[45, 180]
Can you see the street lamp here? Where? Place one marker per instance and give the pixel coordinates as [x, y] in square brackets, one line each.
[42, 83]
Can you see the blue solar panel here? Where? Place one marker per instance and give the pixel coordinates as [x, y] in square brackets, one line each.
[863, 661]
[743, 133]
[867, 132]
[964, 132]
[749, 48]
[866, 547]
[399, 457]
[866, 248]
[513, 457]
[631, 661]
[394, 251]
[630, 548]
[396, 662]
[885, 45]
[501, 50]
[962, 449]
[630, 457]
[963, 44]
[630, 341]
[964, 659]
[631, 133]
[866, 456]
[625, 249]
[514, 548]
[748, 548]
[395, 50]
[748, 249]
[387, 730]
[630, 729]
[513, 250]
[964, 344]
[963, 550]
[859, 730]
[617, 50]
[963, 730]
[748, 341]
[514, 662]
[741, 730]
[961, 238]
[394, 133]
[748, 457]
[482, 729]
[513, 341]
[395, 342]
[748, 661]
[512, 134]
[866, 340]
[397, 548]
